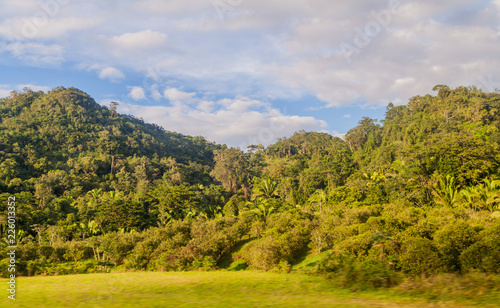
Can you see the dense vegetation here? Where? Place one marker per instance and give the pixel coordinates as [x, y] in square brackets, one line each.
[418, 194]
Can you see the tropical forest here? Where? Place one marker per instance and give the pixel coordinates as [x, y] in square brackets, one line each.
[409, 203]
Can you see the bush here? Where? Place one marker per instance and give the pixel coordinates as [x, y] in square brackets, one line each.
[484, 254]
[46, 251]
[322, 235]
[206, 264]
[286, 236]
[142, 249]
[170, 254]
[215, 237]
[358, 245]
[371, 274]
[425, 228]
[262, 254]
[116, 246]
[45, 267]
[357, 215]
[452, 240]
[419, 256]
[27, 251]
[4, 267]
[282, 267]
[60, 250]
[78, 250]
[343, 232]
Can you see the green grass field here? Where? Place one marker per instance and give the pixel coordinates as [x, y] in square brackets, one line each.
[198, 289]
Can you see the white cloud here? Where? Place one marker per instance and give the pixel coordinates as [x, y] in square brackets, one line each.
[138, 41]
[347, 116]
[112, 74]
[264, 50]
[136, 93]
[175, 95]
[237, 122]
[337, 134]
[170, 7]
[12, 8]
[4, 91]
[42, 26]
[35, 53]
[155, 94]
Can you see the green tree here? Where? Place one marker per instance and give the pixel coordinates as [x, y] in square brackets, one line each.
[231, 169]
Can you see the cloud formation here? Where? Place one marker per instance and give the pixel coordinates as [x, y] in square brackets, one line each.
[267, 52]
[239, 121]
[400, 47]
[136, 93]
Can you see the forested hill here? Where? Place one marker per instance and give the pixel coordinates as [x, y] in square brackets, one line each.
[91, 184]
[454, 133]
[64, 136]
[65, 144]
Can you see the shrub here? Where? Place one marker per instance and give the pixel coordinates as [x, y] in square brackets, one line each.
[206, 264]
[262, 254]
[215, 237]
[358, 245]
[343, 232]
[282, 267]
[60, 250]
[27, 251]
[322, 235]
[116, 246]
[452, 240]
[142, 253]
[232, 207]
[46, 251]
[357, 215]
[419, 256]
[371, 274]
[286, 235]
[4, 267]
[425, 228]
[78, 250]
[484, 254]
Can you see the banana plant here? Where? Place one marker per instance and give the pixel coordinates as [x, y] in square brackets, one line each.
[446, 191]
[489, 195]
[265, 189]
[262, 207]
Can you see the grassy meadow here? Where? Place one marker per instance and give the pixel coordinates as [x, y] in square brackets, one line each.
[204, 289]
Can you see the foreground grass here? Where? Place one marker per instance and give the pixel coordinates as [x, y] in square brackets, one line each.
[198, 289]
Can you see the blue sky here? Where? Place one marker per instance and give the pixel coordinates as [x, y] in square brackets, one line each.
[249, 71]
